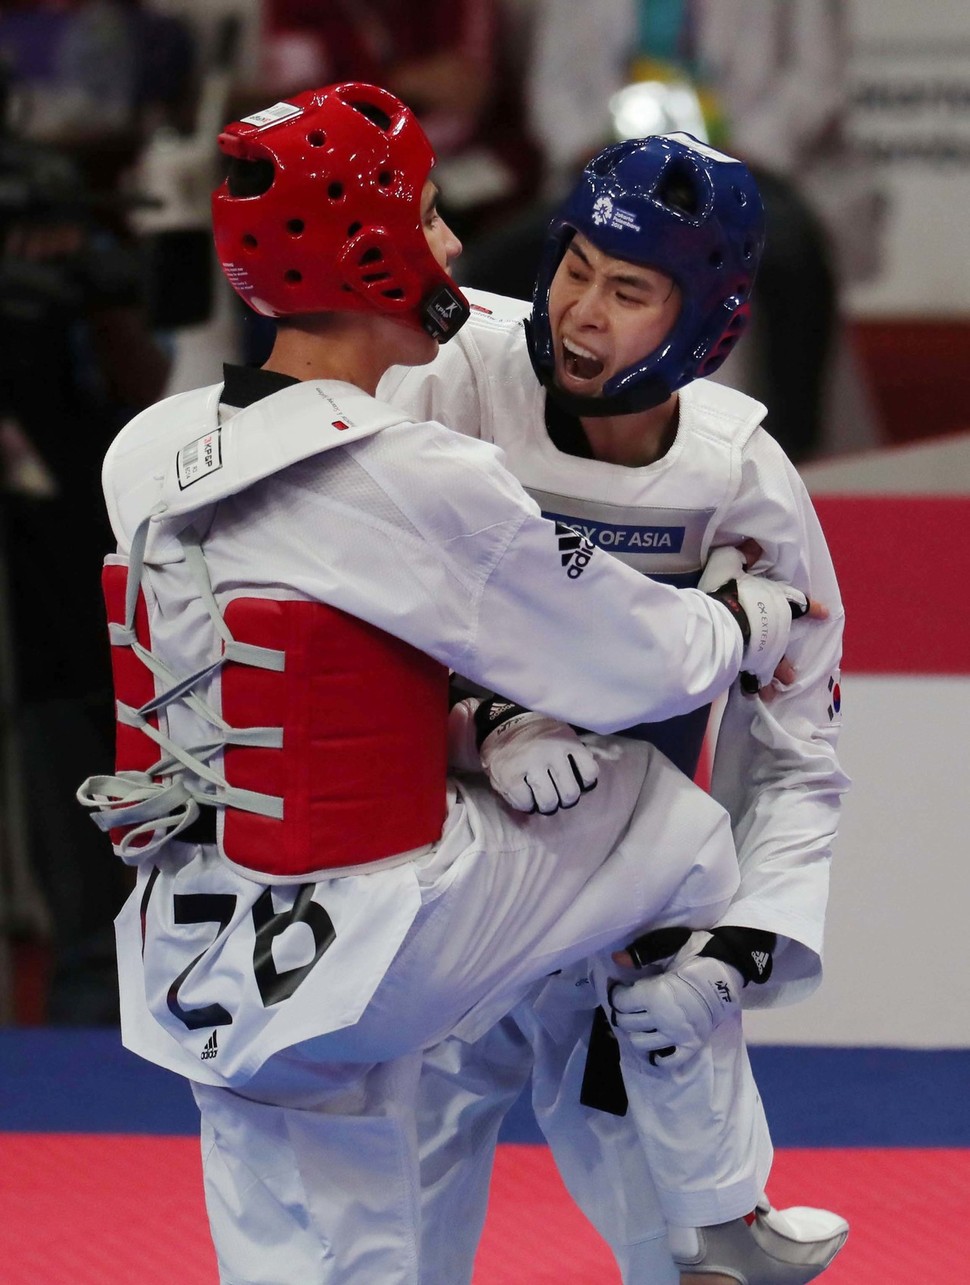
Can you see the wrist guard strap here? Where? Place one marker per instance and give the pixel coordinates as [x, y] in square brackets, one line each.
[749, 950]
[492, 713]
[658, 944]
[727, 595]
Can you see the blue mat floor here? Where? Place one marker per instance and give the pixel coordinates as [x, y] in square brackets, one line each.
[84, 1081]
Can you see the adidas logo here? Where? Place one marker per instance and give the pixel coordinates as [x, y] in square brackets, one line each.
[211, 1048]
[761, 959]
[574, 550]
[498, 708]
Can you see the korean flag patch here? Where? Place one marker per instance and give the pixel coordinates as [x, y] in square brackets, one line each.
[835, 697]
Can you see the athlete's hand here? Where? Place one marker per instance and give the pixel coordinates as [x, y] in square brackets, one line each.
[535, 763]
[785, 670]
[670, 1016]
[763, 608]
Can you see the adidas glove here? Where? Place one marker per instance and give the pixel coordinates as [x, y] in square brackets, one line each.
[535, 763]
[764, 610]
[672, 1015]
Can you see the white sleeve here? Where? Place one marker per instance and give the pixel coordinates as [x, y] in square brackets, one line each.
[534, 612]
[776, 768]
[603, 648]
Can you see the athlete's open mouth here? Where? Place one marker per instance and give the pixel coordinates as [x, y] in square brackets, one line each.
[579, 362]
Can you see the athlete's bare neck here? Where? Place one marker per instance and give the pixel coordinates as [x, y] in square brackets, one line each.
[326, 348]
[354, 347]
[634, 440]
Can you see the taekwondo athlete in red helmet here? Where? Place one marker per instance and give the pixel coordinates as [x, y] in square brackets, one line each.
[597, 394]
[299, 566]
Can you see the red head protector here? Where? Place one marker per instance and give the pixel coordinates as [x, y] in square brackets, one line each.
[327, 215]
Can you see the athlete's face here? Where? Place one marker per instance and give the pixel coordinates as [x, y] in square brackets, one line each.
[442, 242]
[416, 347]
[605, 314]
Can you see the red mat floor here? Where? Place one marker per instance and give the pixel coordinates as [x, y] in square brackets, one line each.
[106, 1210]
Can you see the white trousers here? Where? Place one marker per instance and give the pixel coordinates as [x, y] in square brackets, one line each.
[693, 1148]
[311, 1164]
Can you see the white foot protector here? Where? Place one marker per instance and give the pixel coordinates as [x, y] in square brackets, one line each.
[779, 1247]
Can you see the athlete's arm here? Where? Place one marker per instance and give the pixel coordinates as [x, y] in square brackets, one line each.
[513, 603]
[604, 646]
[776, 767]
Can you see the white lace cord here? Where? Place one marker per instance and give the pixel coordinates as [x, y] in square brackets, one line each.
[244, 653]
[151, 814]
[158, 810]
[192, 760]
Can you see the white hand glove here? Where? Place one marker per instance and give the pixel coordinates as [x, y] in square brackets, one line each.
[767, 609]
[535, 763]
[671, 1016]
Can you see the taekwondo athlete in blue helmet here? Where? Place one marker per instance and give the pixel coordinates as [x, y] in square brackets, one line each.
[598, 396]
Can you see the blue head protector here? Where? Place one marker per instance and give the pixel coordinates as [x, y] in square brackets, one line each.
[674, 204]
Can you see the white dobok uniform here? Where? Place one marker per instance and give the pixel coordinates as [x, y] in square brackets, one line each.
[774, 768]
[298, 1001]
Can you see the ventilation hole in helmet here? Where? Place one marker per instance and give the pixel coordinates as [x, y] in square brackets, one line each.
[739, 195]
[396, 293]
[373, 255]
[716, 356]
[335, 191]
[376, 115]
[346, 288]
[747, 250]
[385, 178]
[295, 227]
[249, 241]
[317, 139]
[249, 178]
[354, 229]
[716, 259]
[292, 277]
[677, 189]
[370, 277]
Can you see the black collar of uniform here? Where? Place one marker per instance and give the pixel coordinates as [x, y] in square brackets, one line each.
[247, 384]
[566, 432]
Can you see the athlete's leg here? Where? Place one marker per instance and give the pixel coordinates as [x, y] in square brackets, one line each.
[320, 1182]
[716, 1156]
[505, 900]
[464, 1094]
[470, 1082]
[599, 1155]
[527, 895]
[703, 1128]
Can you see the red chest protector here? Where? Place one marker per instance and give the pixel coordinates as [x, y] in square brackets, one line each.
[356, 768]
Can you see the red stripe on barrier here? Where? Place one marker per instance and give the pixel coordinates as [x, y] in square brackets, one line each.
[903, 564]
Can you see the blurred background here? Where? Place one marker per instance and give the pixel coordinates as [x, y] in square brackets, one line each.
[855, 115]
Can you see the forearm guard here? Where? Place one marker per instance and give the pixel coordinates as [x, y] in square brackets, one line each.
[749, 950]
